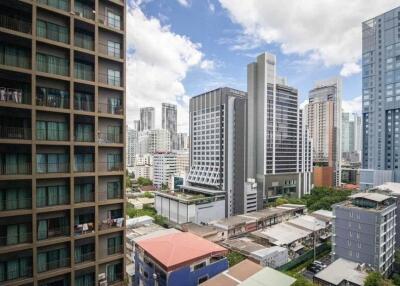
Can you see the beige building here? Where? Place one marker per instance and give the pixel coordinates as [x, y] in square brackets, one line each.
[323, 115]
[62, 136]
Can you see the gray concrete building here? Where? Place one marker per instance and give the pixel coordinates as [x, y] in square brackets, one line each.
[132, 147]
[147, 118]
[381, 94]
[217, 147]
[351, 137]
[62, 142]
[364, 229]
[273, 145]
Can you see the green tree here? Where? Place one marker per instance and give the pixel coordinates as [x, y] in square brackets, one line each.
[144, 181]
[281, 201]
[148, 195]
[301, 281]
[376, 279]
[234, 258]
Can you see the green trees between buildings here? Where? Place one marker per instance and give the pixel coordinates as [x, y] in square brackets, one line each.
[149, 211]
[320, 198]
[144, 181]
[234, 258]
[376, 279]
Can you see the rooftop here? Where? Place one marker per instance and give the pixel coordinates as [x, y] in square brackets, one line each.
[308, 222]
[248, 273]
[265, 213]
[175, 250]
[370, 196]
[199, 230]
[343, 269]
[232, 221]
[282, 234]
[323, 214]
[245, 245]
[390, 187]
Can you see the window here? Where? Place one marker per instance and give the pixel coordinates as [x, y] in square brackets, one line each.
[113, 77]
[114, 49]
[113, 19]
[114, 245]
[199, 266]
[203, 279]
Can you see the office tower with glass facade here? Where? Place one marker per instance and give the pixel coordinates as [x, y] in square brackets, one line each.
[381, 99]
[351, 137]
[147, 120]
[324, 113]
[132, 146]
[62, 136]
[273, 146]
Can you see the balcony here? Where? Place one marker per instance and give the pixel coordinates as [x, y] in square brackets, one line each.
[84, 193]
[51, 131]
[13, 95]
[15, 164]
[51, 228]
[112, 78]
[15, 268]
[84, 221]
[10, 132]
[52, 97]
[55, 195]
[84, 253]
[53, 259]
[110, 166]
[83, 10]
[15, 199]
[114, 273]
[84, 40]
[115, 245]
[83, 101]
[15, 56]
[84, 163]
[111, 108]
[113, 192]
[114, 136]
[15, 23]
[52, 64]
[52, 163]
[52, 31]
[84, 71]
[84, 133]
[15, 234]
[59, 4]
[111, 49]
[111, 20]
[112, 222]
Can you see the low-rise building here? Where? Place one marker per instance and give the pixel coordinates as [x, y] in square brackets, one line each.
[248, 273]
[208, 232]
[342, 272]
[178, 259]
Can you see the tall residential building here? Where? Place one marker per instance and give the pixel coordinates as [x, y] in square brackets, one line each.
[62, 158]
[217, 147]
[182, 141]
[164, 168]
[182, 162]
[324, 113]
[364, 230]
[381, 98]
[153, 141]
[351, 137]
[169, 122]
[306, 154]
[147, 118]
[273, 141]
[132, 146]
[136, 125]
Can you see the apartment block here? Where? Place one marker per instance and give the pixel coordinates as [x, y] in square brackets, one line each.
[132, 146]
[164, 168]
[147, 118]
[62, 136]
[169, 122]
[364, 230]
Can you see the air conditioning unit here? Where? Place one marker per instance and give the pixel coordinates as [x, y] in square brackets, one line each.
[102, 276]
[103, 283]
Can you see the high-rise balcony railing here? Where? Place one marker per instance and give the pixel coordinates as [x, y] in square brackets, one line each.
[84, 72]
[55, 264]
[15, 199]
[84, 41]
[18, 168]
[83, 102]
[15, 23]
[110, 166]
[14, 274]
[15, 56]
[47, 168]
[51, 97]
[111, 223]
[84, 257]
[111, 108]
[111, 20]
[111, 50]
[59, 4]
[52, 64]
[110, 79]
[15, 239]
[109, 138]
[13, 95]
[9, 132]
[53, 232]
[52, 31]
[83, 228]
[83, 10]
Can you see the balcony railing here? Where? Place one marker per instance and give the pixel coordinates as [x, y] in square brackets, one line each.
[9, 132]
[23, 168]
[16, 24]
[84, 136]
[111, 166]
[84, 167]
[52, 31]
[110, 50]
[107, 138]
[84, 42]
[53, 232]
[89, 256]
[15, 204]
[52, 98]
[115, 249]
[84, 193]
[51, 265]
[111, 108]
[85, 11]
[15, 56]
[51, 134]
[112, 21]
[8, 240]
[84, 228]
[112, 80]
[59, 4]
[52, 65]
[84, 73]
[111, 223]
[20, 273]
[115, 279]
[84, 105]
[103, 196]
[52, 168]
[13, 95]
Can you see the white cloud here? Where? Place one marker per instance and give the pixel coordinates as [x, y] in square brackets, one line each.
[303, 104]
[207, 65]
[349, 69]
[158, 61]
[211, 6]
[353, 105]
[185, 3]
[330, 33]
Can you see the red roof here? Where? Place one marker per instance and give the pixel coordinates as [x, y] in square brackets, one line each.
[178, 249]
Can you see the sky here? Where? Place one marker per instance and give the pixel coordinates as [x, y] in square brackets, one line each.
[181, 48]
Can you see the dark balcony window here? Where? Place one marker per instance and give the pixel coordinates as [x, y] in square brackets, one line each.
[53, 259]
[15, 128]
[15, 56]
[84, 253]
[52, 64]
[51, 131]
[84, 40]
[83, 101]
[85, 279]
[14, 199]
[52, 31]
[52, 163]
[52, 195]
[113, 190]
[15, 164]
[14, 95]
[16, 23]
[114, 272]
[114, 245]
[84, 71]
[84, 162]
[15, 234]
[84, 132]
[15, 269]
[54, 227]
[84, 193]
[52, 97]
[59, 4]
[113, 135]
[83, 10]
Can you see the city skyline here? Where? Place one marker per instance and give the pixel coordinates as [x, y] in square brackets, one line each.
[198, 60]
